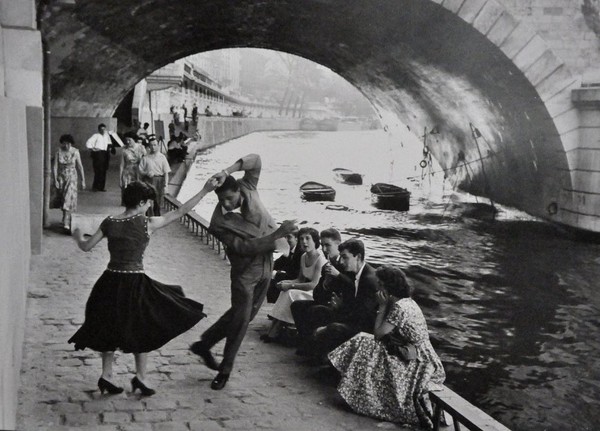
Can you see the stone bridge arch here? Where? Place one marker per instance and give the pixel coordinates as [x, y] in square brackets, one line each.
[423, 63]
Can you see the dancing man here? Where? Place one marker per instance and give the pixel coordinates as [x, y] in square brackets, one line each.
[242, 223]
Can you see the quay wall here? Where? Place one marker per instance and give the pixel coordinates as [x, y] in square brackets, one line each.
[217, 130]
[21, 183]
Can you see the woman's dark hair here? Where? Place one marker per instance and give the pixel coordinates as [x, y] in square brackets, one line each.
[67, 138]
[230, 183]
[136, 192]
[314, 234]
[394, 280]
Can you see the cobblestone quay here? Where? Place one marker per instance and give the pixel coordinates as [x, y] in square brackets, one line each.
[270, 388]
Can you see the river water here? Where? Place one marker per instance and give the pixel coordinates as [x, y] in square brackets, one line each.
[511, 303]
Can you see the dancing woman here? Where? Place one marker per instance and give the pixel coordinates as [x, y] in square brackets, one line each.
[128, 310]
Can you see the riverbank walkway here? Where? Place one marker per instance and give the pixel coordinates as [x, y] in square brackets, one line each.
[270, 388]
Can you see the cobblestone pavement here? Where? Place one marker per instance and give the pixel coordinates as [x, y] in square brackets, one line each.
[270, 388]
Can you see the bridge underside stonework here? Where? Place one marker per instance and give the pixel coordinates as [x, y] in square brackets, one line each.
[422, 63]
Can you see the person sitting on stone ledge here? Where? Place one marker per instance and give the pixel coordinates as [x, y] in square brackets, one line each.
[301, 287]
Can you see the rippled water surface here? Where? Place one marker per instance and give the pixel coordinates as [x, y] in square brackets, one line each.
[512, 304]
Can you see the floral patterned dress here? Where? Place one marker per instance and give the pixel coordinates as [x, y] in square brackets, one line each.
[380, 385]
[131, 166]
[66, 177]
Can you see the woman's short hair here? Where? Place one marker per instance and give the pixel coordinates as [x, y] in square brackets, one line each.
[395, 281]
[67, 138]
[230, 183]
[314, 234]
[137, 192]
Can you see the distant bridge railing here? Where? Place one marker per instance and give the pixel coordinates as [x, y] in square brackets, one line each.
[196, 225]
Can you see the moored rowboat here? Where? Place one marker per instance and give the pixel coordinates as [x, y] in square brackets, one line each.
[390, 197]
[313, 191]
[347, 176]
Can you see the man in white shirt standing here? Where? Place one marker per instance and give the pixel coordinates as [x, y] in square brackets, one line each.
[154, 169]
[99, 144]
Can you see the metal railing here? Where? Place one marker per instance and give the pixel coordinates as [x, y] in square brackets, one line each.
[463, 413]
[196, 224]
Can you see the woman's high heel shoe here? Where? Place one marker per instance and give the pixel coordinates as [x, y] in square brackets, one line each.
[107, 386]
[137, 384]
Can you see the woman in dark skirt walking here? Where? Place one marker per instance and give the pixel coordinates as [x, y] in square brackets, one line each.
[128, 310]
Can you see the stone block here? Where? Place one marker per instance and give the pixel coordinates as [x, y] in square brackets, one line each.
[453, 5]
[25, 85]
[517, 40]
[488, 16]
[206, 425]
[116, 418]
[18, 13]
[560, 79]
[470, 9]
[570, 140]
[567, 121]
[590, 119]
[150, 416]
[543, 67]
[559, 103]
[531, 52]
[502, 28]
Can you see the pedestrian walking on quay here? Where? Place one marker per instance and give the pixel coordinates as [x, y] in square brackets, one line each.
[100, 144]
[127, 310]
[154, 170]
[66, 166]
[242, 223]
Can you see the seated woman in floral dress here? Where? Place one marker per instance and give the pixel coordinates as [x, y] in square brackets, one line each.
[300, 288]
[381, 379]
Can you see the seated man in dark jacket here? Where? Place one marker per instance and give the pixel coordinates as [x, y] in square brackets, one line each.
[285, 267]
[352, 307]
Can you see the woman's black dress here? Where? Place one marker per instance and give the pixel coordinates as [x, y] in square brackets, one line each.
[127, 310]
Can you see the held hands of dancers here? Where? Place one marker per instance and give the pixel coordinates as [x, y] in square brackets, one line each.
[211, 184]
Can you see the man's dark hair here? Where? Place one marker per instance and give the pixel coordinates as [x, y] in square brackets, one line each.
[67, 138]
[146, 125]
[136, 192]
[101, 125]
[332, 233]
[354, 247]
[230, 183]
[314, 234]
[394, 280]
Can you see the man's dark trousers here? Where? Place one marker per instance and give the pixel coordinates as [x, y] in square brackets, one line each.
[100, 165]
[248, 291]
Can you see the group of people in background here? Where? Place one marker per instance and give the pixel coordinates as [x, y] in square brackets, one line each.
[357, 319]
[142, 158]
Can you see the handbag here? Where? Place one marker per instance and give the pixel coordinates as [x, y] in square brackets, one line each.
[396, 346]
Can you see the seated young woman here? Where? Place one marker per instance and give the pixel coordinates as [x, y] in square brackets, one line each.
[301, 287]
[388, 375]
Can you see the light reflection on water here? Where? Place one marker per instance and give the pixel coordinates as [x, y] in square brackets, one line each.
[512, 305]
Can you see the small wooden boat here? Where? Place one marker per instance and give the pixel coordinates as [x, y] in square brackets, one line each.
[346, 176]
[313, 191]
[390, 197]
[328, 125]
